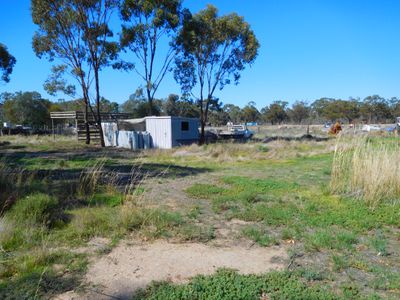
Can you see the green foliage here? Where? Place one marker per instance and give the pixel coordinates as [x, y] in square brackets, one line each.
[145, 23]
[250, 113]
[7, 62]
[56, 82]
[138, 107]
[220, 47]
[28, 108]
[276, 112]
[299, 112]
[175, 106]
[76, 33]
[336, 109]
[227, 284]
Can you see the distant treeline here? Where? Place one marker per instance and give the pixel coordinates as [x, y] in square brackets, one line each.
[30, 109]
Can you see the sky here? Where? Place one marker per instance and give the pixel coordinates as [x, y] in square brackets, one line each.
[309, 49]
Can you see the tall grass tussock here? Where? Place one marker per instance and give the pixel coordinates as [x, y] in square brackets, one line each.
[368, 169]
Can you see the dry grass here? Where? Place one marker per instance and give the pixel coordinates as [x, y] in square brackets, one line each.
[44, 142]
[89, 178]
[288, 130]
[247, 152]
[367, 169]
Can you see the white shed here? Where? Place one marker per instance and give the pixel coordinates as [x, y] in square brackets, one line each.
[164, 132]
[168, 132]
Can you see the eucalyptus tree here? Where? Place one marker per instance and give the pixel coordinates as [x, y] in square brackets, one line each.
[27, 108]
[7, 62]
[146, 25]
[299, 112]
[250, 113]
[76, 33]
[275, 112]
[213, 50]
[93, 19]
[59, 37]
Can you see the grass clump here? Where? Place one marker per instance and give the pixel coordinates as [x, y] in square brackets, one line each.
[36, 209]
[331, 239]
[379, 243]
[259, 236]
[32, 276]
[205, 191]
[367, 169]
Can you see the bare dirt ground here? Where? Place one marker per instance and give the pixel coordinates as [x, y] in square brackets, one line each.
[135, 263]
[133, 266]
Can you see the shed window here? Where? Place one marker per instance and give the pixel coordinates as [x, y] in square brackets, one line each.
[185, 126]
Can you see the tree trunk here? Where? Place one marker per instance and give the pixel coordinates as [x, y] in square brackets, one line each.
[202, 139]
[98, 117]
[150, 99]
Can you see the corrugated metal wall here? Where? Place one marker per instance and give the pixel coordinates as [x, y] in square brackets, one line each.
[109, 130]
[180, 137]
[125, 139]
[160, 131]
[165, 133]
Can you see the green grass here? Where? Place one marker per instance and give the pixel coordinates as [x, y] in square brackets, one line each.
[331, 239]
[290, 201]
[379, 243]
[110, 198]
[33, 276]
[77, 162]
[341, 248]
[204, 191]
[259, 235]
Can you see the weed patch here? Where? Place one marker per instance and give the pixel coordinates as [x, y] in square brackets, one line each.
[204, 191]
[227, 284]
[258, 235]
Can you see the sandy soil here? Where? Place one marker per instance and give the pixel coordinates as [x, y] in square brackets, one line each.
[130, 267]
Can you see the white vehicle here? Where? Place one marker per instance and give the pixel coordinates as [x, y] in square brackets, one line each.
[369, 128]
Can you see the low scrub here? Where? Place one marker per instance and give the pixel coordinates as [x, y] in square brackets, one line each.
[367, 169]
[228, 284]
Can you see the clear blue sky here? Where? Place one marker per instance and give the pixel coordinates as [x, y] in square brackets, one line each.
[309, 49]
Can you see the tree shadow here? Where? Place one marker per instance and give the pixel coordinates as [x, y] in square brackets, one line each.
[8, 146]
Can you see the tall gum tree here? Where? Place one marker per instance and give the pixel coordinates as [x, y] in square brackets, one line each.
[213, 51]
[93, 18]
[59, 37]
[76, 33]
[146, 24]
